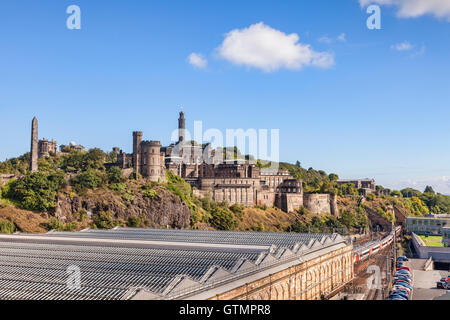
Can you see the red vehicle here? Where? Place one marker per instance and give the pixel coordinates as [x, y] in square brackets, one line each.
[404, 268]
[402, 281]
[400, 288]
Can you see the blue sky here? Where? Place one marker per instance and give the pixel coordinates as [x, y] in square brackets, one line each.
[370, 111]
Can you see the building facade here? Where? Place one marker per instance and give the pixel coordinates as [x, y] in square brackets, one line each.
[47, 148]
[236, 181]
[427, 225]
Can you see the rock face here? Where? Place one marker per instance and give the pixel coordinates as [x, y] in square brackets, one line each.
[164, 209]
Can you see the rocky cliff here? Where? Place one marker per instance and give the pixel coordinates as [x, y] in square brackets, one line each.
[159, 210]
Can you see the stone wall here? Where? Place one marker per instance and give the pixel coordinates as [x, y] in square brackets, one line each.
[289, 202]
[439, 254]
[5, 178]
[306, 281]
[317, 203]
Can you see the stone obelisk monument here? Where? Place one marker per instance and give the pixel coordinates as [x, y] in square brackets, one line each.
[181, 127]
[34, 146]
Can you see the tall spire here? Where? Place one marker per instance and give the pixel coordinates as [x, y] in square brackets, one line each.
[34, 146]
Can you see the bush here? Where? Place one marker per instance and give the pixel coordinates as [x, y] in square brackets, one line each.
[222, 219]
[89, 179]
[55, 224]
[115, 175]
[7, 227]
[118, 187]
[36, 191]
[237, 210]
[149, 193]
[371, 197]
[104, 220]
[134, 222]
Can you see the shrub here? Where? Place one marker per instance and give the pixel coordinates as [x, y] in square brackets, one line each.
[36, 191]
[89, 179]
[115, 175]
[118, 187]
[7, 227]
[104, 220]
[371, 197]
[222, 219]
[149, 193]
[134, 222]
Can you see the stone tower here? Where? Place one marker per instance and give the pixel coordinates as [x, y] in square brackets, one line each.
[34, 146]
[152, 166]
[181, 127]
[137, 140]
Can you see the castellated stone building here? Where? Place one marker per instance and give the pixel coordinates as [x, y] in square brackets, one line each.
[39, 148]
[234, 181]
[46, 148]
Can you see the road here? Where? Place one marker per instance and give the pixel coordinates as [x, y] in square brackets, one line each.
[425, 281]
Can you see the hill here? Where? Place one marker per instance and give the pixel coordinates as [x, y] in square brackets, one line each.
[75, 190]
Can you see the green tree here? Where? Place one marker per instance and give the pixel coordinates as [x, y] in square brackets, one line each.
[7, 227]
[222, 219]
[89, 179]
[396, 193]
[429, 189]
[333, 177]
[115, 175]
[36, 191]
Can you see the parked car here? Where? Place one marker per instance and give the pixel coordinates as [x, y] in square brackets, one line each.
[397, 298]
[404, 281]
[401, 293]
[441, 284]
[403, 289]
[404, 285]
[403, 272]
[403, 268]
[402, 258]
[404, 275]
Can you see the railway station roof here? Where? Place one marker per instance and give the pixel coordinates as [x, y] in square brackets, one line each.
[168, 264]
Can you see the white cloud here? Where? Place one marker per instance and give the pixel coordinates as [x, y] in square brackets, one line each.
[260, 46]
[419, 52]
[325, 39]
[342, 37]
[415, 8]
[197, 60]
[439, 184]
[403, 46]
